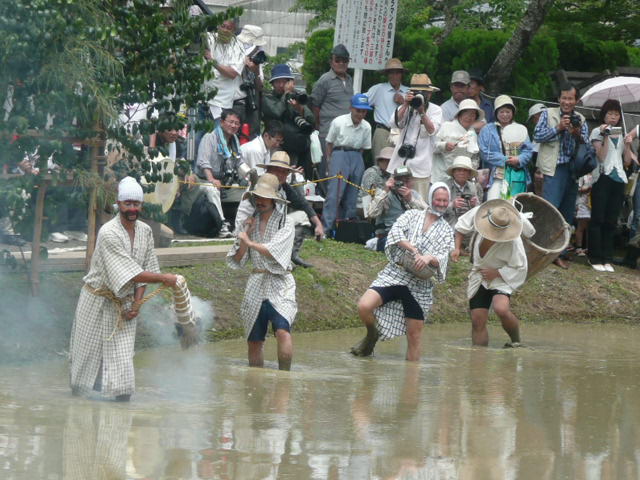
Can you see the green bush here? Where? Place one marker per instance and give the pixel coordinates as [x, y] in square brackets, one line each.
[316, 56]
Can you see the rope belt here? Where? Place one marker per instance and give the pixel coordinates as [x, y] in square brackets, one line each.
[119, 302]
[259, 270]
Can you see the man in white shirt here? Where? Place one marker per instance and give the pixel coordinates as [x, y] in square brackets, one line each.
[460, 81]
[227, 56]
[349, 135]
[419, 121]
[260, 149]
[385, 98]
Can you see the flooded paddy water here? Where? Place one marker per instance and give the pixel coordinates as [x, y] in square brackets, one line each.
[565, 407]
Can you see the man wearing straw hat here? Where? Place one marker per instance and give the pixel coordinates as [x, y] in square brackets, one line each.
[270, 295]
[104, 327]
[385, 98]
[499, 265]
[418, 120]
[280, 166]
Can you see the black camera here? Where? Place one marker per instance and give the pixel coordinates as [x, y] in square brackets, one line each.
[304, 126]
[301, 97]
[574, 120]
[398, 184]
[407, 151]
[259, 57]
[418, 100]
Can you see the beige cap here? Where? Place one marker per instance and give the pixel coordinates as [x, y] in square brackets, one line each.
[385, 154]
[503, 100]
[535, 109]
[460, 76]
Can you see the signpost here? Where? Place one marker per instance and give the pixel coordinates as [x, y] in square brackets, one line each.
[367, 29]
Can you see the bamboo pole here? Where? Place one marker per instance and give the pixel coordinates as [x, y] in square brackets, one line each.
[37, 233]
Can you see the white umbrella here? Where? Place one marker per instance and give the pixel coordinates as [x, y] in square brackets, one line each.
[623, 89]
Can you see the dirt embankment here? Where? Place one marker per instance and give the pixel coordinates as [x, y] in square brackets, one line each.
[326, 294]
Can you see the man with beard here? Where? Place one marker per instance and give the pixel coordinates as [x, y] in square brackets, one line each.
[397, 302]
[104, 327]
[270, 295]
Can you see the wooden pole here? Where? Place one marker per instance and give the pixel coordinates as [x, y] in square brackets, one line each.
[37, 233]
[93, 209]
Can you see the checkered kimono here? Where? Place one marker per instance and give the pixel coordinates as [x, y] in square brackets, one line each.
[276, 284]
[437, 241]
[95, 341]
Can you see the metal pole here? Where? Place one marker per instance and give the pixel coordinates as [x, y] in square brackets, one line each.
[357, 80]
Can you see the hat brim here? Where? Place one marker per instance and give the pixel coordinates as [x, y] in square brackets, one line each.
[268, 195]
[481, 114]
[258, 42]
[499, 235]
[362, 107]
[474, 172]
[424, 88]
[267, 165]
[288, 77]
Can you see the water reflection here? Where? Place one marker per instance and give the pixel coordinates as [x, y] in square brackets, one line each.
[565, 408]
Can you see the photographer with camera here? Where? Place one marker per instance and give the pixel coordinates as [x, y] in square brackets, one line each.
[418, 121]
[246, 99]
[219, 158]
[609, 182]
[559, 133]
[391, 201]
[287, 105]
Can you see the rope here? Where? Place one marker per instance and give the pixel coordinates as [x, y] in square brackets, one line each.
[338, 176]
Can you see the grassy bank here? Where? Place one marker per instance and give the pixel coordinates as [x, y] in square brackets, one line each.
[327, 296]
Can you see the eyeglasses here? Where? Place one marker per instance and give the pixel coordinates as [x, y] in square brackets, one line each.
[233, 123]
[340, 60]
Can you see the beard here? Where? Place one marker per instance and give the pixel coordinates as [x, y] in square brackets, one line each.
[130, 216]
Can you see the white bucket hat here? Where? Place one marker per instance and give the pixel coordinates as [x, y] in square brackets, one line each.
[462, 162]
[470, 104]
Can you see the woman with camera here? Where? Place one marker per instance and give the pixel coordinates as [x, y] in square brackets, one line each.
[609, 179]
[507, 158]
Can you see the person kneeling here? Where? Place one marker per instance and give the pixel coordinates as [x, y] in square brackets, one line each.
[499, 265]
[270, 295]
[398, 301]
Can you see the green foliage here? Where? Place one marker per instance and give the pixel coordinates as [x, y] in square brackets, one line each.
[634, 56]
[293, 51]
[317, 54]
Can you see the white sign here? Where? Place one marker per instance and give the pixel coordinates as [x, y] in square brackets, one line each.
[366, 28]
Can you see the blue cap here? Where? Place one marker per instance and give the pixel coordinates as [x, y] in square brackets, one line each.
[281, 71]
[361, 101]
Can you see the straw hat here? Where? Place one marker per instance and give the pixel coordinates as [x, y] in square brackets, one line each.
[470, 104]
[462, 162]
[267, 187]
[421, 81]
[498, 220]
[394, 64]
[502, 101]
[278, 159]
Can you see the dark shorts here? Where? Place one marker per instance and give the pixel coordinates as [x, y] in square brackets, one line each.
[401, 293]
[267, 314]
[484, 297]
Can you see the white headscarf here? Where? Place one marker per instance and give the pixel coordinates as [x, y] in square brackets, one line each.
[129, 189]
[432, 191]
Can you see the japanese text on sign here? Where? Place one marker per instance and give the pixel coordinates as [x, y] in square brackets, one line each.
[366, 28]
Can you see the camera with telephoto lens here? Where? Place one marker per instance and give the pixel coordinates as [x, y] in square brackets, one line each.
[304, 126]
[407, 151]
[301, 97]
[259, 57]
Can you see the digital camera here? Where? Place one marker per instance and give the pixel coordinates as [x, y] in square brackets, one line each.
[259, 57]
[407, 151]
[301, 97]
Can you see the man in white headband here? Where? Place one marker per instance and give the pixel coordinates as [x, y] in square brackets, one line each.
[104, 327]
[400, 298]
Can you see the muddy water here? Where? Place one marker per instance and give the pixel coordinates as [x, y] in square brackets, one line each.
[567, 407]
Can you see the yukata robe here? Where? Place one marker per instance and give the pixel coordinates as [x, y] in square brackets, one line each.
[509, 258]
[95, 339]
[271, 278]
[437, 241]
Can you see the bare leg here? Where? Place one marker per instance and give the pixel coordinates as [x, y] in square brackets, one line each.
[479, 332]
[366, 306]
[583, 223]
[256, 354]
[502, 306]
[414, 339]
[285, 349]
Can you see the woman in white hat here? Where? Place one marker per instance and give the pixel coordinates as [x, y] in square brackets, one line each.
[506, 158]
[456, 138]
[499, 264]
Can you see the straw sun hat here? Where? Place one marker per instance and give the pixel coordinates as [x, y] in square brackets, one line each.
[498, 220]
[267, 187]
[278, 159]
